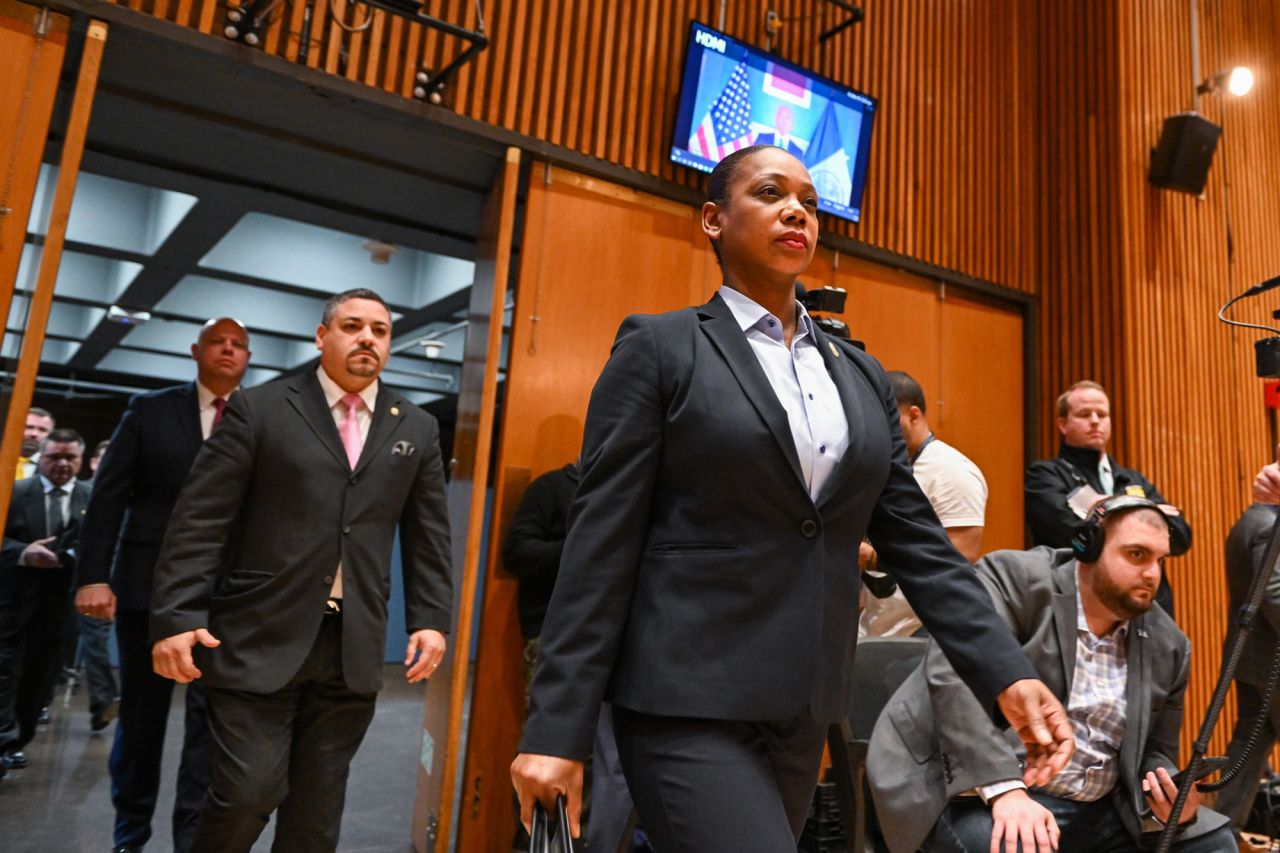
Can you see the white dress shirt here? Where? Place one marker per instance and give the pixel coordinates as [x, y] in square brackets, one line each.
[333, 395]
[208, 411]
[800, 380]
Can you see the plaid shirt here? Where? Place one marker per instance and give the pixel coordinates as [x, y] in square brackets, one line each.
[1096, 709]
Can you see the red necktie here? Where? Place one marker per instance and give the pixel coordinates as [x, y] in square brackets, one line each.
[218, 405]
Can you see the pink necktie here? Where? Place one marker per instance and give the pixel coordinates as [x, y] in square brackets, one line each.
[219, 405]
[349, 429]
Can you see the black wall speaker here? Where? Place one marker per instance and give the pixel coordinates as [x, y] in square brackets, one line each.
[1181, 159]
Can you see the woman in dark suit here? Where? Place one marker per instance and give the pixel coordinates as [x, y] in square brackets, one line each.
[734, 457]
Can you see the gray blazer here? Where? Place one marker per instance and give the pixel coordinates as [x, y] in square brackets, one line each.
[934, 741]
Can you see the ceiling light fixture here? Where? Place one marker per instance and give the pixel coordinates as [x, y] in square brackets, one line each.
[380, 251]
[127, 316]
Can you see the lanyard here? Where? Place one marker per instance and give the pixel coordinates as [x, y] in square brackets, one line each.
[920, 449]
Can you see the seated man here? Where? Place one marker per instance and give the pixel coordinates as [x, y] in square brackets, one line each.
[945, 778]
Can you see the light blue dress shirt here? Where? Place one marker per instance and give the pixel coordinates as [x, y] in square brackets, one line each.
[800, 380]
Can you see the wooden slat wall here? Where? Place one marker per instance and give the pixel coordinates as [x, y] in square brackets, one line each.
[953, 153]
[1190, 406]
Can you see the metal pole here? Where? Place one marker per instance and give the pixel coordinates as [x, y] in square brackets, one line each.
[1195, 56]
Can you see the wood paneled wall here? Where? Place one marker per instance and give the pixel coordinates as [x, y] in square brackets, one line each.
[1189, 403]
[953, 156]
[1131, 277]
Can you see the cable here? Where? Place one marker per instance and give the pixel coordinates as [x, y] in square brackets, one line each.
[1253, 291]
[1255, 733]
[337, 19]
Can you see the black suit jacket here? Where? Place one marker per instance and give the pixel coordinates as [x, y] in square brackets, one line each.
[934, 742]
[1246, 550]
[700, 579]
[135, 490]
[535, 541]
[27, 523]
[1050, 481]
[272, 487]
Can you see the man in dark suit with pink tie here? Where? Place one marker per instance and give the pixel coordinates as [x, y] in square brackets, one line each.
[274, 576]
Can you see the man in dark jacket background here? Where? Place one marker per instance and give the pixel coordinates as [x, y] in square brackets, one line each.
[1059, 491]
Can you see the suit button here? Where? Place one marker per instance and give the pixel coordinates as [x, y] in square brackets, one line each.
[328, 580]
[352, 481]
[809, 528]
[346, 528]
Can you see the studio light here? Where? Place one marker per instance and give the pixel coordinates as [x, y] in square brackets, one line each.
[1238, 81]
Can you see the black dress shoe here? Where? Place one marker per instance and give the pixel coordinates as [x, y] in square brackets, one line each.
[99, 720]
[126, 848]
[15, 760]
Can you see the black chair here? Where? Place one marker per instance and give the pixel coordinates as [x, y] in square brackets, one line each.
[881, 664]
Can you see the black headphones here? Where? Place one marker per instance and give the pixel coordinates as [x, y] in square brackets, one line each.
[1090, 536]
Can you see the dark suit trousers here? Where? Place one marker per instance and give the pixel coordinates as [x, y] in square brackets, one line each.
[718, 786]
[289, 750]
[95, 635]
[33, 621]
[139, 743]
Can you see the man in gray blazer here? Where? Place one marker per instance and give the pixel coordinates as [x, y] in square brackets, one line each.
[944, 778]
[276, 569]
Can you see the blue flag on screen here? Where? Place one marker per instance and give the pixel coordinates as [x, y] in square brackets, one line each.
[827, 161]
[727, 125]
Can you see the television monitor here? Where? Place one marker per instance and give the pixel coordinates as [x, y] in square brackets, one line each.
[734, 95]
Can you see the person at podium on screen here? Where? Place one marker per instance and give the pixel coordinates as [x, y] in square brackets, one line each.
[734, 457]
[783, 121]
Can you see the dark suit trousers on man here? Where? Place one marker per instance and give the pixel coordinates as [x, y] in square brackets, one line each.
[33, 620]
[719, 786]
[139, 743]
[290, 750]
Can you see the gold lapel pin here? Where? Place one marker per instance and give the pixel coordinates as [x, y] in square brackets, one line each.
[834, 350]
[395, 410]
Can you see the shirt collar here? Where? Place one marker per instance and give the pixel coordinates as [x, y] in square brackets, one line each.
[49, 486]
[333, 393]
[750, 314]
[1117, 633]
[206, 397]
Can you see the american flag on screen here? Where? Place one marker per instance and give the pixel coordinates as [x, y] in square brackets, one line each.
[727, 125]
